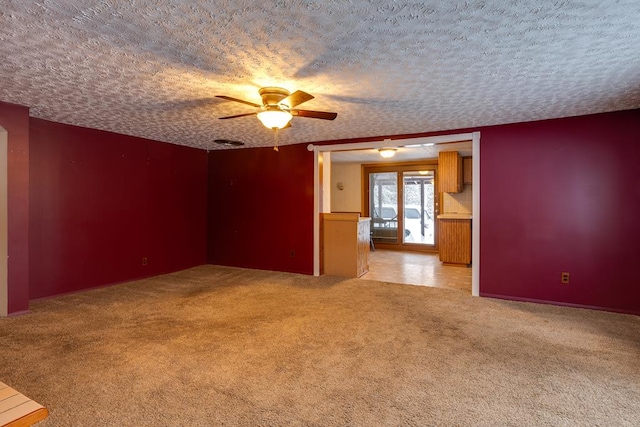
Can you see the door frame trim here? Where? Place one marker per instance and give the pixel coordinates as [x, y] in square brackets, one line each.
[321, 187]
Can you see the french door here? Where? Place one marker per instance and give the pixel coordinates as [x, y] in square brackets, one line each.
[402, 203]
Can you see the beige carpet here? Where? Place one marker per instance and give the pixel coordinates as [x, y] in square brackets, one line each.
[222, 346]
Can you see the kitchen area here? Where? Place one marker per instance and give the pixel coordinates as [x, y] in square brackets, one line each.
[430, 246]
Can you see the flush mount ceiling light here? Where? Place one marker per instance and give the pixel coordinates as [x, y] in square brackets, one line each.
[387, 152]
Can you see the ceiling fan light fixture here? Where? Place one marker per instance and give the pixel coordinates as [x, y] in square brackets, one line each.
[275, 119]
[387, 152]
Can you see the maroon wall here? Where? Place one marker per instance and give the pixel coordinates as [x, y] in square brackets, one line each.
[100, 202]
[15, 120]
[556, 196]
[261, 208]
[561, 196]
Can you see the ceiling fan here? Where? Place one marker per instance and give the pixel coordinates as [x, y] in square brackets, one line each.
[277, 107]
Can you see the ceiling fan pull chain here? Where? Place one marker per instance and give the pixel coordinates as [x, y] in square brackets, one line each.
[275, 137]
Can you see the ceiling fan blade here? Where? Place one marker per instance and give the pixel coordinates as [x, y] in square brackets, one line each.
[324, 115]
[237, 115]
[296, 98]
[228, 98]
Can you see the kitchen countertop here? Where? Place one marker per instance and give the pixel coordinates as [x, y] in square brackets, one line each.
[455, 216]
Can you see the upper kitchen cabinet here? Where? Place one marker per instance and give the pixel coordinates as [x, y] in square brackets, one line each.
[467, 166]
[450, 172]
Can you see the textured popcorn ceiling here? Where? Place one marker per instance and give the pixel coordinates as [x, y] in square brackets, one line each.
[151, 68]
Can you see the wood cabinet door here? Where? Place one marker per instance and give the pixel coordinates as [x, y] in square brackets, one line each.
[450, 172]
[467, 167]
[454, 237]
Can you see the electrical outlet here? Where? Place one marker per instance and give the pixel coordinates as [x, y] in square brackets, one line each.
[564, 278]
[145, 260]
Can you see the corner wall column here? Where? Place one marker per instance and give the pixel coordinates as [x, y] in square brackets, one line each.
[4, 294]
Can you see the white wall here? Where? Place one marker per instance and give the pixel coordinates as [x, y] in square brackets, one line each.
[348, 199]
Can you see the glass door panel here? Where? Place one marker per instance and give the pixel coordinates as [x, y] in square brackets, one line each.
[402, 202]
[419, 207]
[383, 206]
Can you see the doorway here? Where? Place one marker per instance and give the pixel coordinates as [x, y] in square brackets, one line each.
[322, 190]
[401, 201]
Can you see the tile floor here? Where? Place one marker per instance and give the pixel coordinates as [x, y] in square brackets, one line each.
[416, 268]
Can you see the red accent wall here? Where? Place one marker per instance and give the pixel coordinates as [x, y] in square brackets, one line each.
[261, 208]
[556, 196]
[15, 120]
[100, 202]
[562, 196]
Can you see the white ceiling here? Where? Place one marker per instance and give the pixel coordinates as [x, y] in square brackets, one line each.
[411, 152]
[151, 68]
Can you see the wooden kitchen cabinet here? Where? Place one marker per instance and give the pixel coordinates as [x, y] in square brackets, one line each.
[454, 241]
[346, 244]
[467, 168]
[450, 174]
